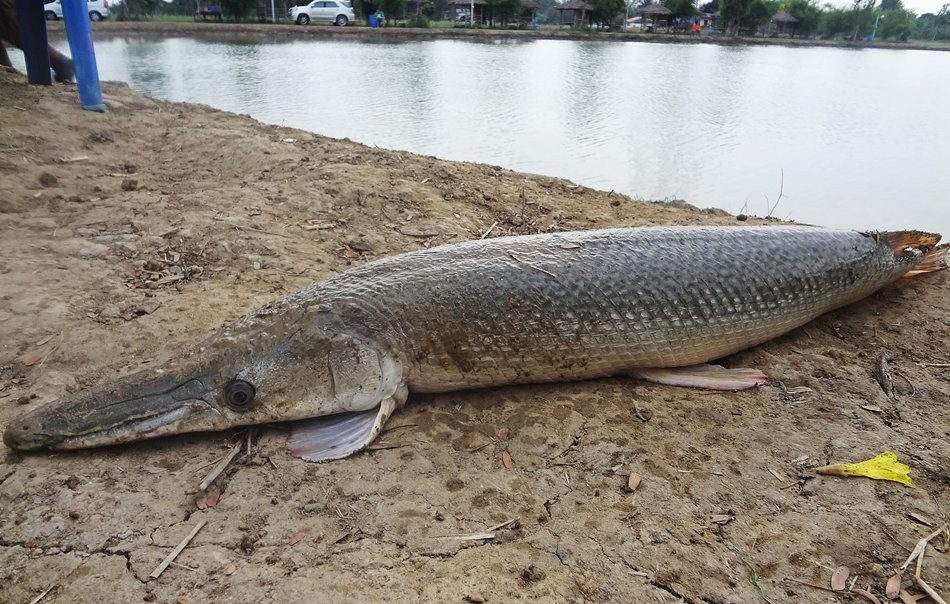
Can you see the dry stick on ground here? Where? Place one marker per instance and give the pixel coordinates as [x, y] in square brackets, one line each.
[216, 471]
[918, 553]
[42, 595]
[490, 229]
[174, 554]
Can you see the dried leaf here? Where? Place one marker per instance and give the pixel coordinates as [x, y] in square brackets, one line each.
[44, 340]
[460, 515]
[230, 569]
[214, 494]
[33, 359]
[872, 408]
[506, 459]
[503, 435]
[868, 595]
[893, 587]
[633, 482]
[720, 518]
[297, 538]
[839, 578]
[474, 597]
[883, 467]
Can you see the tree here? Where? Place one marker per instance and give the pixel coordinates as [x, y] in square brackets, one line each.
[710, 7]
[606, 11]
[760, 13]
[808, 14]
[852, 23]
[681, 8]
[887, 5]
[133, 10]
[501, 10]
[239, 9]
[732, 13]
[897, 24]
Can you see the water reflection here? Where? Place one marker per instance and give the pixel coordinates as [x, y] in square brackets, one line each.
[858, 135]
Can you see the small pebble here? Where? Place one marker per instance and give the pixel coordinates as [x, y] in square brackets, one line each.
[313, 508]
[23, 400]
[74, 515]
[48, 180]
[130, 184]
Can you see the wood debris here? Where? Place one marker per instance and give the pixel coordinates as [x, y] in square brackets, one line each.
[174, 553]
[220, 467]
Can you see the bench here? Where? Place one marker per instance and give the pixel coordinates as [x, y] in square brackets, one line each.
[208, 15]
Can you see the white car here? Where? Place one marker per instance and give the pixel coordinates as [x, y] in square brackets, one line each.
[338, 12]
[98, 10]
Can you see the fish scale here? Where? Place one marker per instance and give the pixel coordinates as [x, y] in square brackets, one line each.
[592, 303]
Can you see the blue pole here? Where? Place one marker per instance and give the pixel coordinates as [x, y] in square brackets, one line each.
[79, 33]
[32, 23]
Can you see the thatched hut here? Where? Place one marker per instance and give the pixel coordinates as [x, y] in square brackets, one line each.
[578, 10]
[781, 21]
[657, 13]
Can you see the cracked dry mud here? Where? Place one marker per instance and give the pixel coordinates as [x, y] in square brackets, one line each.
[167, 220]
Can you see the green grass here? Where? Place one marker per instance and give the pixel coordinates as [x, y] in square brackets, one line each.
[172, 18]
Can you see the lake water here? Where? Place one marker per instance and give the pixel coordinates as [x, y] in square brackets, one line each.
[858, 138]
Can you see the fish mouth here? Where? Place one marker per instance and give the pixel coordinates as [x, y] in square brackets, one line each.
[134, 408]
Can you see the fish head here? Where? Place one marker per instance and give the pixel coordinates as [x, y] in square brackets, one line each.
[253, 372]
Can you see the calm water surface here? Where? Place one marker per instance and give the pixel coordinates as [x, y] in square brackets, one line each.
[860, 135]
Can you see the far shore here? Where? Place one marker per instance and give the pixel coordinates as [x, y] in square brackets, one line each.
[359, 32]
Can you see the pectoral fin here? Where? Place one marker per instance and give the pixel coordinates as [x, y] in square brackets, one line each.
[713, 377]
[341, 435]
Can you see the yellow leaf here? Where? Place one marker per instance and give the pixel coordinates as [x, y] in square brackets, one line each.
[883, 467]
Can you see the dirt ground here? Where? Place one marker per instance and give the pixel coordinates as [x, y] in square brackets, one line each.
[130, 234]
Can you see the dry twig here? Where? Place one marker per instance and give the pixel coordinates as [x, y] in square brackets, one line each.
[174, 553]
[216, 471]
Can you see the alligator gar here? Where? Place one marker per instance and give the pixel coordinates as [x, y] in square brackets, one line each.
[345, 353]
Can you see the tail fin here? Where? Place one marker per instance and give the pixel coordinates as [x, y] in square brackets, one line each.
[902, 242]
[934, 259]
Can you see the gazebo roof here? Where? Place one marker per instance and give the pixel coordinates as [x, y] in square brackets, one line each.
[467, 2]
[654, 9]
[530, 4]
[573, 5]
[783, 17]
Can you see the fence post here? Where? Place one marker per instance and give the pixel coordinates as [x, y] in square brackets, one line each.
[79, 34]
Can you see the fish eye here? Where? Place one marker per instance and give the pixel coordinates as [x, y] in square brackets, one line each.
[239, 395]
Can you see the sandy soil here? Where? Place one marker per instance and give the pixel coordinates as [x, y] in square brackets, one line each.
[129, 234]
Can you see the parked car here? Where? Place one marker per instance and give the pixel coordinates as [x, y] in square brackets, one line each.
[338, 12]
[98, 10]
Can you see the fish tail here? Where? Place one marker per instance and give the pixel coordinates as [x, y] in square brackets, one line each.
[935, 259]
[901, 240]
[932, 257]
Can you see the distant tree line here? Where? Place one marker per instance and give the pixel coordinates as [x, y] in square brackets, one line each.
[739, 17]
[852, 22]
